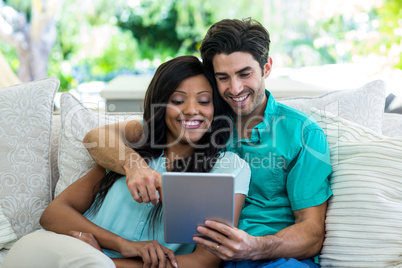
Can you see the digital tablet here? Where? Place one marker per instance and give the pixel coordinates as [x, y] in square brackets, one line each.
[191, 198]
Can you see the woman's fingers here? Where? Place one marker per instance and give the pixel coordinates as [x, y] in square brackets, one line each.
[87, 238]
[74, 234]
[170, 255]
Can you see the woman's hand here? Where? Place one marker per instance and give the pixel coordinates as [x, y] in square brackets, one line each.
[152, 253]
[87, 238]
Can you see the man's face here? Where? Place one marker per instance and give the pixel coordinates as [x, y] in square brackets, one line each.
[241, 82]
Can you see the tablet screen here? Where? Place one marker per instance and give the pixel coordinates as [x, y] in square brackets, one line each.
[191, 198]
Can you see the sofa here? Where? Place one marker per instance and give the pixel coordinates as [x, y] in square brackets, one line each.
[41, 153]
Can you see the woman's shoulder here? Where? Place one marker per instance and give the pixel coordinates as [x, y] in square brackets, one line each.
[229, 155]
[229, 161]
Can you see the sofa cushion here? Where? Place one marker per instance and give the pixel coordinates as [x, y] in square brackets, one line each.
[3, 254]
[363, 224]
[77, 120]
[364, 105]
[7, 234]
[392, 125]
[54, 148]
[25, 126]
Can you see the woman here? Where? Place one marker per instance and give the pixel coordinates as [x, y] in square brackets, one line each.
[182, 115]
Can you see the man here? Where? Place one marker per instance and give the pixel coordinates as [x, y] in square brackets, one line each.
[282, 221]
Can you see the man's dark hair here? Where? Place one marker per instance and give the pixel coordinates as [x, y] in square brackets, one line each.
[233, 35]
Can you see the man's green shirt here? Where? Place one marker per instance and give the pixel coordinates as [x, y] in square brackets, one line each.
[290, 166]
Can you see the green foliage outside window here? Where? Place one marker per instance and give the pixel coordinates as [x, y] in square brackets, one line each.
[97, 40]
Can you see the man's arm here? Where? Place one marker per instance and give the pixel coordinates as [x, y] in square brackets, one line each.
[300, 241]
[107, 146]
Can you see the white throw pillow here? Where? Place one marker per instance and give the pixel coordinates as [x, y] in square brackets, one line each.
[77, 120]
[54, 150]
[392, 125]
[364, 105]
[363, 223]
[25, 126]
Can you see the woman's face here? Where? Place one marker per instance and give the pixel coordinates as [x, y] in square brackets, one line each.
[190, 111]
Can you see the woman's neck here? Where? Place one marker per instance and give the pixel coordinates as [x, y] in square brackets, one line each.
[175, 152]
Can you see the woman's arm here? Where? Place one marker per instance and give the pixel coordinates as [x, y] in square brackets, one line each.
[64, 215]
[200, 258]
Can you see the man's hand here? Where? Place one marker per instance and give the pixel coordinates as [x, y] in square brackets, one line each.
[143, 182]
[229, 243]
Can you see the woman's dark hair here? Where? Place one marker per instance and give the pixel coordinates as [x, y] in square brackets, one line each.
[232, 35]
[166, 80]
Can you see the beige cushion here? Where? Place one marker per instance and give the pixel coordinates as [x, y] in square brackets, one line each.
[25, 126]
[363, 224]
[364, 105]
[77, 120]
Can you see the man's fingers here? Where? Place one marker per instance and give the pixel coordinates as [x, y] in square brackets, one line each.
[133, 188]
[153, 195]
[144, 196]
[220, 250]
[220, 227]
[212, 246]
[136, 196]
[205, 242]
[213, 234]
[152, 183]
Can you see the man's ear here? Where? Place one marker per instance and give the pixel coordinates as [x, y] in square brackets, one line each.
[268, 67]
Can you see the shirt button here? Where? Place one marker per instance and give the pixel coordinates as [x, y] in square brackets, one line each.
[142, 223]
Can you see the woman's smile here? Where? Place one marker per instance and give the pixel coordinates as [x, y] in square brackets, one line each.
[191, 124]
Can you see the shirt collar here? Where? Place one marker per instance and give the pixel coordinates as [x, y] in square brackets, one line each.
[270, 111]
[272, 105]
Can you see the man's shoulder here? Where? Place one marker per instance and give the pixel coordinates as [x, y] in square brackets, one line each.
[284, 110]
[296, 117]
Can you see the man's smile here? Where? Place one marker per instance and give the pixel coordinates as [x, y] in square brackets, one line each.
[240, 100]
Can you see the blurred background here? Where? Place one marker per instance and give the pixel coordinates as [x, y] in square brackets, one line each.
[317, 45]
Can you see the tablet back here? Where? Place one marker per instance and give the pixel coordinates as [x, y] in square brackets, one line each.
[190, 198]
